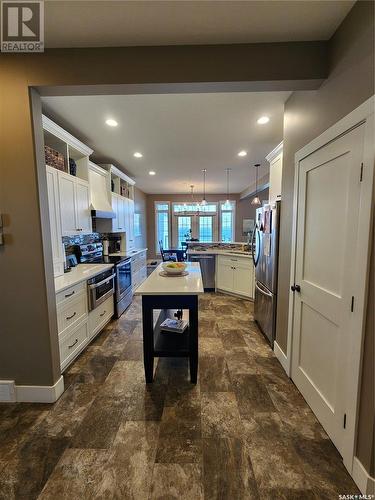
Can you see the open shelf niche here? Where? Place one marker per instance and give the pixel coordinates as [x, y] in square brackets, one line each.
[69, 146]
[121, 184]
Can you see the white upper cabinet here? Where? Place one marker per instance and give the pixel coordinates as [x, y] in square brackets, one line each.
[275, 159]
[130, 225]
[74, 205]
[83, 206]
[55, 221]
[69, 224]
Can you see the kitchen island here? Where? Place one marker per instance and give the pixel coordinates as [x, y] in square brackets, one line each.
[169, 294]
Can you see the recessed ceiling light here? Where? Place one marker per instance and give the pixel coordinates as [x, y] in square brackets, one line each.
[242, 153]
[151, 172]
[137, 154]
[111, 123]
[262, 120]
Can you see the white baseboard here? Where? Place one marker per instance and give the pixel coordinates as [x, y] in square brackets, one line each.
[35, 393]
[363, 480]
[281, 357]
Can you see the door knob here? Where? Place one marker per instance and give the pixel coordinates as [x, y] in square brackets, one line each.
[295, 288]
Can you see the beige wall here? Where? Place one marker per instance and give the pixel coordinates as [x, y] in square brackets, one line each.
[307, 114]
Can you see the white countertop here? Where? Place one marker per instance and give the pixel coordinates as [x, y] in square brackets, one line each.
[82, 272]
[131, 253]
[191, 284]
[213, 251]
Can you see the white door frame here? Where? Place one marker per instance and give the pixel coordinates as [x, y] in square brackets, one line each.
[363, 114]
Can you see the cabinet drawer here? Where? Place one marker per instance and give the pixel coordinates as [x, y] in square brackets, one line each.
[100, 316]
[71, 292]
[71, 312]
[72, 344]
[244, 262]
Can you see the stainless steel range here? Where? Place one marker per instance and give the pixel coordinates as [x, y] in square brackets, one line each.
[92, 253]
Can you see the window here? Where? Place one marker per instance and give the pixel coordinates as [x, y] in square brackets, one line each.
[137, 225]
[183, 229]
[194, 208]
[227, 211]
[206, 229]
[161, 224]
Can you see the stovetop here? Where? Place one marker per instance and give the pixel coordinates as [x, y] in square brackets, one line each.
[106, 259]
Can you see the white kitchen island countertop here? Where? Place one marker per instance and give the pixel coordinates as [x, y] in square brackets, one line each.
[82, 272]
[191, 284]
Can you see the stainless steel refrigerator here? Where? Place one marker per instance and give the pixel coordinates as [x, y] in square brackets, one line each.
[265, 255]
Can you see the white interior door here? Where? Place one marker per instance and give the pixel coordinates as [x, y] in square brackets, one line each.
[327, 224]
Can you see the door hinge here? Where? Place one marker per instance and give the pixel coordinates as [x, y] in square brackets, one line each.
[352, 305]
[361, 175]
[344, 420]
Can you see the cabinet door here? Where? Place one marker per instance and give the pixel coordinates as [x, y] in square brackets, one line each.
[242, 279]
[130, 225]
[67, 194]
[55, 224]
[225, 275]
[83, 206]
[121, 214]
[115, 210]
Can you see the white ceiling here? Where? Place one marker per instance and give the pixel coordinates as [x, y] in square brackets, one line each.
[123, 23]
[178, 135]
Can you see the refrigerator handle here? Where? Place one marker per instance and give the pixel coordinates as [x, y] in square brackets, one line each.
[269, 294]
[255, 233]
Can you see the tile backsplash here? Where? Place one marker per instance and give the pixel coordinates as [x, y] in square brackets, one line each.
[79, 239]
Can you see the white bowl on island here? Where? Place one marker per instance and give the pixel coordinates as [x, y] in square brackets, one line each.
[174, 267]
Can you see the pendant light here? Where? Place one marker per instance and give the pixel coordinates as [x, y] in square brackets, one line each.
[227, 202]
[256, 199]
[204, 202]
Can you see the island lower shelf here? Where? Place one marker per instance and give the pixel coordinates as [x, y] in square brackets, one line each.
[170, 343]
[156, 344]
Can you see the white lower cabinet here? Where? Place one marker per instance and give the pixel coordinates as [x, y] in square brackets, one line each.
[76, 326]
[72, 343]
[100, 316]
[235, 275]
[139, 269]
[71, 312]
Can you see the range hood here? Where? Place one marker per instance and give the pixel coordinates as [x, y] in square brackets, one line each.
[99, 195]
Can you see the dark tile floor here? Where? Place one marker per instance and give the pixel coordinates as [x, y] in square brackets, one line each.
[243, 432]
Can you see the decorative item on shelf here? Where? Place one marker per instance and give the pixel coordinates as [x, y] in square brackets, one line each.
[54, 159]
[72, 167]
[112, 186]
[256, 200]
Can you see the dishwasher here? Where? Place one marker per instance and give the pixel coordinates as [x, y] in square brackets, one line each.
[207, 263]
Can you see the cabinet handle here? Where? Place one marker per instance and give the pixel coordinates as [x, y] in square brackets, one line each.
[103, 313]
[70, 294]
[72, 316]
[74, 343]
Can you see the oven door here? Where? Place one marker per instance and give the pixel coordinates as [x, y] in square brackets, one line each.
[99, 292]
[123, 279]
